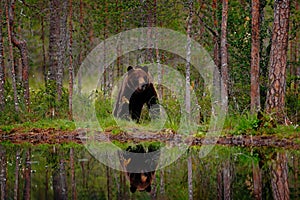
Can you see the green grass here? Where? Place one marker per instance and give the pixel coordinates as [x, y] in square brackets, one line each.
[247, 124]
[57, 124]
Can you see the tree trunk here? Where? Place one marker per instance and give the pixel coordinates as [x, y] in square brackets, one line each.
[44, 51]
[71, 69]
[188, 60]
[153, 192]
[108, 183]
[2, 67]
[54, 33]
[257, 180]
[295, 174]
[11, 55]
[3, 172]
[80, 58]
[54, 44]
[162, 182]
[84, 182]
[220, 185]
[255, 58]
[224, 55]
[215, 36]
[46, 183]
[149, 7]
[59, 180]
[297, 70]
[62, 46]
[157, 54]
[278, 60]
[119, 47]
[22, 46]
[279, 177]
[190, 177]
[27, 185]
[124, 190]
[122, 187]
[63, 179]
[227, 180]
[294, 44]
[17, 170]
[73, 182]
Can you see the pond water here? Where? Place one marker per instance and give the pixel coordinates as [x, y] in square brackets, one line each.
[69, 171]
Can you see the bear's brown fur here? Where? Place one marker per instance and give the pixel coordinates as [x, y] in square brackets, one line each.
[136, 90]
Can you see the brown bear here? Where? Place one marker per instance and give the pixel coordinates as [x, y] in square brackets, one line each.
[136, 90]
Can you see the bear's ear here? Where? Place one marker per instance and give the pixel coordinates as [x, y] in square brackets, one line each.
[148, 189]
[132, 189]
[129, 68]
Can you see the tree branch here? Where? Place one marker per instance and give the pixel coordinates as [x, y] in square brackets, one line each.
[213, 32]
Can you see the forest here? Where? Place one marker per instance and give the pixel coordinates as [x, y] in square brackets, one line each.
[44, 43]
[63, 62]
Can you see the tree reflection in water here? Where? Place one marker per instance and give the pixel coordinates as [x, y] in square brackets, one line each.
[68, 171]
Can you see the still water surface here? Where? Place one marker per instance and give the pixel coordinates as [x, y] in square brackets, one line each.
[68, 171]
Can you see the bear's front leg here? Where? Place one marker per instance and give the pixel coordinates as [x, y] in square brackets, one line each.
[135, 110]
[152, 102]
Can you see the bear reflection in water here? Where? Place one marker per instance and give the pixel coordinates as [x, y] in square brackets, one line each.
[139, 166]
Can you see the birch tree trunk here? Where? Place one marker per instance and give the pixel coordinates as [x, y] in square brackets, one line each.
[190, 177]
[45, 72]
[255, 58]
[278, 60]
[188, 92]
[188, 60]
[17, 170]
[224, 55]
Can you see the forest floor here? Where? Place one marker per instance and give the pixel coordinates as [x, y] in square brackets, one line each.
[37, 136]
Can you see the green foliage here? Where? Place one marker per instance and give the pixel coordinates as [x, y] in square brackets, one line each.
[104, 109]
[172, 109]
[293, 101]
[46, 100]
[57, 124]
[43, 104]
[247, 124]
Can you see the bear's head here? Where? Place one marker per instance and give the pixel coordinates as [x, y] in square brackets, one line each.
[138, 78]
